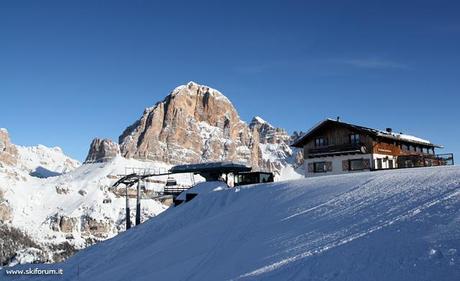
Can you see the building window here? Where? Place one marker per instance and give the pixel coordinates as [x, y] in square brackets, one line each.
[319, 167]
[356, 164]
[354, 139]
[321, 141]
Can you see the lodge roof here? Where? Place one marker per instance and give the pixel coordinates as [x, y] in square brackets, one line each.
[300, 142]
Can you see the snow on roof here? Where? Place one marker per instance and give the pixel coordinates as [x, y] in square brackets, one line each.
[406, 137]
[224, 166]
[380, 133]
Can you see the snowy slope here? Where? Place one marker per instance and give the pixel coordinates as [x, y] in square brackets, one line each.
[391, 225]
[77, 208]
[83, 192]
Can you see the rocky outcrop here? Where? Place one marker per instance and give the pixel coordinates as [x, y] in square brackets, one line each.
[85, 225]
[96, 228]
[62, 189]
[196, 123]
[6, 214]
[8, 151]
[102, 150]
[68, 224]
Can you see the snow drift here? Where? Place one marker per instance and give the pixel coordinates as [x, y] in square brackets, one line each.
[391, 225]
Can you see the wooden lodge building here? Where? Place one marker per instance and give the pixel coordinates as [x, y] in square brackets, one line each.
[335, 147]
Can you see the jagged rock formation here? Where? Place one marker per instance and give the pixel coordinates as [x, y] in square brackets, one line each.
[67, 224]
[8, 151]
[102, 150]
[196, 123]
[193, 124]
[273, 151]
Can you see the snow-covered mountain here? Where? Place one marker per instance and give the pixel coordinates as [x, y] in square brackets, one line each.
[42, 161]
[57, 206]
[196, 123]
[61, 206]
[39, 160]
[389, 225]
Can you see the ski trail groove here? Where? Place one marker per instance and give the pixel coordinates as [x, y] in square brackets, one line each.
[408, 214]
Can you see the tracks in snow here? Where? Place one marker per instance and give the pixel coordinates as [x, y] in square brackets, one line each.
[406, 215]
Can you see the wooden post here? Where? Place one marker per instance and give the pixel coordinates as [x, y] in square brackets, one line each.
[138, 203]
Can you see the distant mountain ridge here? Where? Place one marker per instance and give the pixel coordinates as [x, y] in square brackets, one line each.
[51, 205]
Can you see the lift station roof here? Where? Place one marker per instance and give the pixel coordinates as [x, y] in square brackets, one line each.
[212, 167]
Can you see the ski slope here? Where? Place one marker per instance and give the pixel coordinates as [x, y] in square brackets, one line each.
[390, 225]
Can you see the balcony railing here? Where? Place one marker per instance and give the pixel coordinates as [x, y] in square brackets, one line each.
[337, 149]
[410, 161]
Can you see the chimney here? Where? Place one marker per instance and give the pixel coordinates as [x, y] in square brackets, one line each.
[389, 130]
[338, 118]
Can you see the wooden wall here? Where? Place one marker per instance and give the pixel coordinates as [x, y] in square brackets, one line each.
[387, 147]
[337, 135]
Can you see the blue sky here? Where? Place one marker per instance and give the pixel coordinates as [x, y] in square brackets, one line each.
[74, 70]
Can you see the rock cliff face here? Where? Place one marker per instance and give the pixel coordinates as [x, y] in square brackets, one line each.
[273, 150]
[8, 151]
[196, 123]
[101, 150]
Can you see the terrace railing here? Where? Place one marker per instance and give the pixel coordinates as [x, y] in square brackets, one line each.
[332, 149]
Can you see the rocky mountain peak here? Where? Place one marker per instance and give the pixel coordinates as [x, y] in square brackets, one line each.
[188, 126]
[196, 123]
[267, 132]
[195, 89]
[101, 150]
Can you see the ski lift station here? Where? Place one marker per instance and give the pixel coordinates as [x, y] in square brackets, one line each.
[232, 173]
